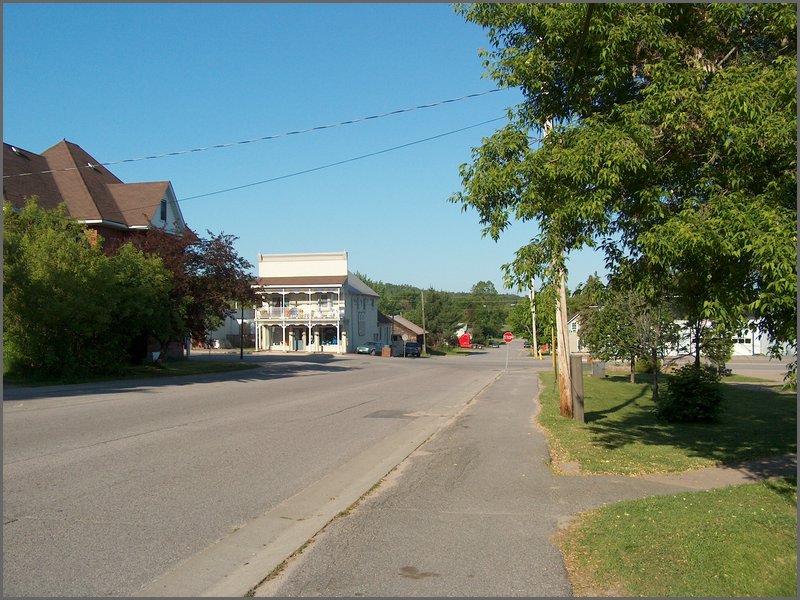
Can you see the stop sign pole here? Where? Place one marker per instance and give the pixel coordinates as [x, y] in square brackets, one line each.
[508, 337]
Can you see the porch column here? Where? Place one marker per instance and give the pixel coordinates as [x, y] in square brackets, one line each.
[283, 320]
[339, 320]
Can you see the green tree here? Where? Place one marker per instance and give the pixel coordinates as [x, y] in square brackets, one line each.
[629, 326]
[586, 295]
[441, 317]
[68, 309]
[484, 312]
[520, 319]
[673, 144]
[207, 276]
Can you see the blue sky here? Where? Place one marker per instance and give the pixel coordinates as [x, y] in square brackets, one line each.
[131, 80]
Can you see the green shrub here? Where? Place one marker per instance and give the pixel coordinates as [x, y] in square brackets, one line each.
[692, 395]
[645, 365]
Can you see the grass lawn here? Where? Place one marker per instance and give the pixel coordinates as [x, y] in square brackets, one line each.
[732, 542]
[170, 369]
[622, 435]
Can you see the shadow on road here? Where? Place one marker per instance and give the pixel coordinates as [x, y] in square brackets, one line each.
[267, 368]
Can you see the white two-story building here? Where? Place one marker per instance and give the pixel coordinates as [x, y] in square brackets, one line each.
[313, 303]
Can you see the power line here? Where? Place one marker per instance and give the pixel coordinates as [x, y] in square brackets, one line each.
[268, 137]
[341, 162]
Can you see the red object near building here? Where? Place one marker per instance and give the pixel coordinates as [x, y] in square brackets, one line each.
[465, 341]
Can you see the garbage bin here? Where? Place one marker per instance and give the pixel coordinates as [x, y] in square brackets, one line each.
[386, 351]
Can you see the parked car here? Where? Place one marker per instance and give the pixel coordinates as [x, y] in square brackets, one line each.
[526, 344]
[372, 348]
[494, 345]
[412, 349]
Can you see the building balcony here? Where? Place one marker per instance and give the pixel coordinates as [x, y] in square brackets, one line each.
[301, 313]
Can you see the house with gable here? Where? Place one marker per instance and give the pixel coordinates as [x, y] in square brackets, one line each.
[314, 303]
[93, 195]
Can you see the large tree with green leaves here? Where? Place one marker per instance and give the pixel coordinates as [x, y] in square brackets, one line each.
[69, 310]
[208, 275]
[625, 325]
[673, 148]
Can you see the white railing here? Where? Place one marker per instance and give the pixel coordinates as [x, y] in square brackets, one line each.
[301, 312]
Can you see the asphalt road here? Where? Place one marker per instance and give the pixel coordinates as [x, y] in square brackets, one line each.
[178, 488]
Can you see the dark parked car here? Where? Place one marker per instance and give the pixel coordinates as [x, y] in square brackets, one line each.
[412, 349]
[372, 348]
[494, 345]
[527, 344]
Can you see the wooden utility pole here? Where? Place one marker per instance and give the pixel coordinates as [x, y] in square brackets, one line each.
[533, 321]
[424, 347]
[563, 363]
[564, 370]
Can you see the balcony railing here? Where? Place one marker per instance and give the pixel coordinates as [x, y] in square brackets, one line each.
[301, 312]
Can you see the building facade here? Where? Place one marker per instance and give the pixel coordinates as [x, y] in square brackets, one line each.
[67, 174]
[313, 303]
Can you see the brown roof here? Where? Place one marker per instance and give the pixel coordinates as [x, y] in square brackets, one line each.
[67, 173]
[19, 187]
[326, 280]
[138, 201]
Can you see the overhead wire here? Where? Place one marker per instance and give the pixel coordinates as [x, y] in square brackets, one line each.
[267, 137]
[341, 162]
[329, 165]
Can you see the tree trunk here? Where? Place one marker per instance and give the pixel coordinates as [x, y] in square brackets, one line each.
[564, 374]
[654, 357]
[697, 345]
[633, 368]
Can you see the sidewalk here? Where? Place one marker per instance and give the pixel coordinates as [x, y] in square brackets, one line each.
[471, 513]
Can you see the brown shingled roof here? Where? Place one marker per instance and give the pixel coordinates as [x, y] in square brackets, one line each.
[67, 173]
[18, 187]
[138, 201]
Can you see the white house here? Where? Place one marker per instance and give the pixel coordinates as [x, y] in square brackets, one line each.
[748, 342]
[313, 303]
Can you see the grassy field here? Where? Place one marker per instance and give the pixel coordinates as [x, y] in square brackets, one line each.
[622, 436]
[737, 541]
[733, 542]
[170, 369]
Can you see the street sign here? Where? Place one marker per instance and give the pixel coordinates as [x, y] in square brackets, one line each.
[508, 337]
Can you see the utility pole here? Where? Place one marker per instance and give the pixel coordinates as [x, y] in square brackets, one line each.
[424, 347]
[533, 320]
[241, 334]
[562, 357]
[564, 370]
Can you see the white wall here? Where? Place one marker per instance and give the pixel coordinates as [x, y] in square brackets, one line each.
[323, 264]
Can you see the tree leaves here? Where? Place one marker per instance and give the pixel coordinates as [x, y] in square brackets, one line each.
[674, 145]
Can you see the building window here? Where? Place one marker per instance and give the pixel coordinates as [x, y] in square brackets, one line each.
[362, 321]
[329, 336]
[163, 210]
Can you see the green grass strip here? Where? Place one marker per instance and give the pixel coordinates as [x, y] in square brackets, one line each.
[739, 541]
[622, 436]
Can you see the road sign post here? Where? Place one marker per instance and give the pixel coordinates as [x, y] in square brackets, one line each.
[508, 337]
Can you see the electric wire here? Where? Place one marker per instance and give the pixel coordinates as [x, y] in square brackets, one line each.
[267, 137]
[341, 162]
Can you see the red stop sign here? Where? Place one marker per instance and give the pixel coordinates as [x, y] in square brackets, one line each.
[508, 337]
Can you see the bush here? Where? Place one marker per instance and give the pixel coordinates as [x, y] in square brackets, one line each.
[645, 365]
[692, 395]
